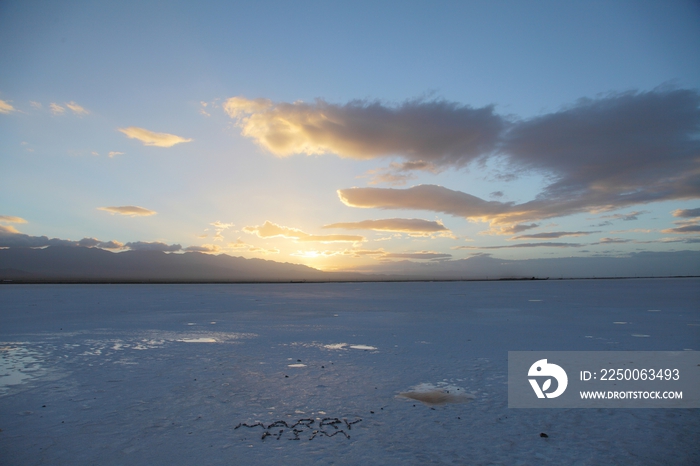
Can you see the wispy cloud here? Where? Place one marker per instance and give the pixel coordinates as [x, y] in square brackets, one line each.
[149, 138]
[628, 216]
[554, 234]
[77, 109]
[114, 154]
[525, 245]
[397, 174]
[153, 246]
[205, 248]
[11, 219]
[364, 252]
[422, 255]
[239, 244]
[383, 255]
[6, 107]
[203, 109]
[633, 230]
[130, 210]
[402, 225]
[272, 230]
[219, 228]
[57, 109]
[509, 229]
[613, 241]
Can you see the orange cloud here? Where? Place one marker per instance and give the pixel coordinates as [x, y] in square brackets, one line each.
[131, 210]
[272, 230]
[403, 225]
[57, 109]
[5, 107]
[11, 219]
[77, 109]
[149, 138]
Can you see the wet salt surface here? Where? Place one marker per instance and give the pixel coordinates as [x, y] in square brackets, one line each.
[164, 374]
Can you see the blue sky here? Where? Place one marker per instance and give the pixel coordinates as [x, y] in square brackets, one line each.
[385, 97]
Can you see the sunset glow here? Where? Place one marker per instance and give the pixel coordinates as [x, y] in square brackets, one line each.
[384, 150]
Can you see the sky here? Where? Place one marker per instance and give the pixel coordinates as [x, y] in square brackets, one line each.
[352, 135]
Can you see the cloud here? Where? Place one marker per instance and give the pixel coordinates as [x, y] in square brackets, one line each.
[202, 110]
[424, 197]
[509, 229]
[77, 109]
[633, 230]
[332, 238]
[364, 252]
[219, 227]
[149, 138]
[616, 151]
[613, 241]
[525, 245]
[6, 108]
[153, 246]
[95, 243]
[437, 132]
[131, 210]
[114, 154]
[57, 109]
[691, 228]
[627, 217]
[205, 248]
[263, 250]
[11, 238]
[8, 230]
[423, 255]
[403, 225]
[555, 234]
[238, 244]
[596, 155]
[399, 173]
[35, 104]
[11, 219]
[686, 213]
[440, 199]
[381, 254]
[325, 253]
[272, 230]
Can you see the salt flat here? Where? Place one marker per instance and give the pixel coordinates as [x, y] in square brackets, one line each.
[175, 374]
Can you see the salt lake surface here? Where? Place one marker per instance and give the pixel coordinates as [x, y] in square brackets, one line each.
[345, 373]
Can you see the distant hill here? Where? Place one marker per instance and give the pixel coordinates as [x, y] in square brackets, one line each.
[78, 264]
[83, 265]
